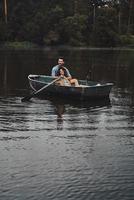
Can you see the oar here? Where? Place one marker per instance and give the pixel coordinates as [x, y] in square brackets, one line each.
[27, 98]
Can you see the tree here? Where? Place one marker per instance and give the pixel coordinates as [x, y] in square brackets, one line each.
[75, 22]
[105, 32]
[130, 26]
[5, 10]
[74, 27]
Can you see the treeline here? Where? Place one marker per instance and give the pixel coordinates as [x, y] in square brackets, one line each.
[73, 22]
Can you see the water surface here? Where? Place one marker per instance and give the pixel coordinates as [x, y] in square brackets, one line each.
[67, 150]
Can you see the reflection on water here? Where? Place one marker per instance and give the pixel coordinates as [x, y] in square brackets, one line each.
[67, 150]
[55, 149]
[100, 65]
[60, 109]
[62, 104]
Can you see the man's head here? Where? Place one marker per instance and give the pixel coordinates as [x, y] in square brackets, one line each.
[61, 61]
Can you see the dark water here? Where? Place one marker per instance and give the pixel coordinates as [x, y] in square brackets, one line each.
[57, 150]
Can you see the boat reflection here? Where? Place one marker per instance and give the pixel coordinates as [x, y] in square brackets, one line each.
[61, 105]
[59, 110]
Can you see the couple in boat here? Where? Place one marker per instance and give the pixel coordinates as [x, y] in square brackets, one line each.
[61, 71]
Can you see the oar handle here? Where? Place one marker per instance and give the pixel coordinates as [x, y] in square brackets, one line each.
[46, 86]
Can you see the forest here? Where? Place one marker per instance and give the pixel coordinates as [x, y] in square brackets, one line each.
[92, 23]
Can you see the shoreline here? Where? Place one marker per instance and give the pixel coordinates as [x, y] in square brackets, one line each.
[30, 46]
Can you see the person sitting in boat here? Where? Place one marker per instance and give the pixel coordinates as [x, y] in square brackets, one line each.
[56, 68]
[56, 72]
[64, 79]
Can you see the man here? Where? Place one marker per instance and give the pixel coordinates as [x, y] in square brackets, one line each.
[55, 72]
[55, 69]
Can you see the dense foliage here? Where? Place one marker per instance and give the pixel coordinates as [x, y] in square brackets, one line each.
[72, 22]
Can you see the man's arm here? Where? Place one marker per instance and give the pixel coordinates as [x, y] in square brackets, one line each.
[54, 71]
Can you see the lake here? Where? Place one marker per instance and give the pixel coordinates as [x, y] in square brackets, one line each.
[58, 150]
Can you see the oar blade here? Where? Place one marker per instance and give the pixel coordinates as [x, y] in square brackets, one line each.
[27, 98]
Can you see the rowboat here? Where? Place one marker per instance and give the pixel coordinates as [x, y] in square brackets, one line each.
[86, 89]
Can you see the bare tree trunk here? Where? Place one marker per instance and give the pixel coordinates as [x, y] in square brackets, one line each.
[131, 7]
[5, 10]
[75, 7]
[119, 21]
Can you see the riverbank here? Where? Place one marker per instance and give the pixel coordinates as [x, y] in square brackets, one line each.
[32, 46]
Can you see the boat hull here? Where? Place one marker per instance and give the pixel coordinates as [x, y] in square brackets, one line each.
[86, 90]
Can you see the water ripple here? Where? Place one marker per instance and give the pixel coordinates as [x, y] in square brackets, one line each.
[65, 151]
